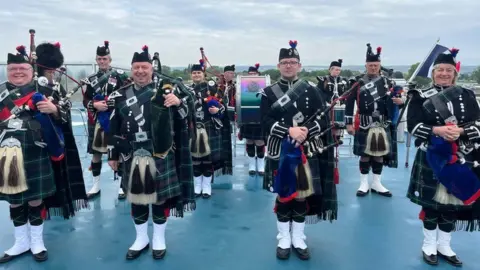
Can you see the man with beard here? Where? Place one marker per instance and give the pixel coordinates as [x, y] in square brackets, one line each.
[297, 168]
[149, 137]
[100, 86]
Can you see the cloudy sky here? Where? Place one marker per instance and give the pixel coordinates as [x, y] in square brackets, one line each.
[246, 32]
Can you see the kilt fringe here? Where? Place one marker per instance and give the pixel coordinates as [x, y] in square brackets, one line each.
[329, 215]
[141, 181]
[99, 140]
[443, 197]
[13, 171]
[65, 212]
[377, 144]
[179, 209]
[467, 225]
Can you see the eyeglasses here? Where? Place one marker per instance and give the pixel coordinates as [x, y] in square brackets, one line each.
[291, 63]
[21, 69]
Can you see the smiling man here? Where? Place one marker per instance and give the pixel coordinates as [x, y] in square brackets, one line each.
[296, 169]
[101, 85]
[27, 178]
[149, 137]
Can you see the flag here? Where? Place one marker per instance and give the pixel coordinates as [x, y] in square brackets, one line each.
[423, 69]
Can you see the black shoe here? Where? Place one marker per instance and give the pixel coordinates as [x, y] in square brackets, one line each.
[7, 258]
[158, 254]
[283, 254]
[206, 196]
[453, 260]
[41, 257]
[252, 172]
[303, 254]
[122, 196]
[386, 193]
[362, 193]
[432, 259]
[133, 254]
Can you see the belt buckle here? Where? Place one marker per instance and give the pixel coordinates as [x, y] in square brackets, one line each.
[141, 136]
[15, 123]
[376, 114]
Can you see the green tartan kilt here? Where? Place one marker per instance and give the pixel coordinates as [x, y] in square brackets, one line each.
[167, 184]
[38, 170]
[251, 132]
[214, 141]
[423, 186]
[360, 143]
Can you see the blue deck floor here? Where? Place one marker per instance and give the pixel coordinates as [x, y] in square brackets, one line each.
[236, 229]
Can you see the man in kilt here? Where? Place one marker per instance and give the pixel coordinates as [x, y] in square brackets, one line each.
[149, 137]
[100, 86]
[212, 148]
[70, 195]
[255, 140]
[438, 117]
[28, 178]
[305, 187]
[373, 124]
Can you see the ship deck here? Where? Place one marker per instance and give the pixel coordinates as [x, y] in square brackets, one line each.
[236, 228]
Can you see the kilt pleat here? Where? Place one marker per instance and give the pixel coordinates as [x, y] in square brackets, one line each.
[251, 132]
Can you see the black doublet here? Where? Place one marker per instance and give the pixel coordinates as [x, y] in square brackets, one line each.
[332, 87]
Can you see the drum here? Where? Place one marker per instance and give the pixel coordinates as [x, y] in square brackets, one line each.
[248, 98]
[339, 115]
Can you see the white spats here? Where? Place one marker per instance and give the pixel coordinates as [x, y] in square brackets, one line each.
[377, 185]
[364, 183]
[443, 244]
[298, 235]
[36, 239]
[96, 185]
[198, 184]
[207, 185]
[142, 237]
[429, 246]
[252, 164]
[261, 165]
[283, 237]
[158, 240]
[22, 241]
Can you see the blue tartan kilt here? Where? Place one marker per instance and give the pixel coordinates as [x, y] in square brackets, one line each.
[167, 184]
[251, 132]
[38, 170]
[360, 142]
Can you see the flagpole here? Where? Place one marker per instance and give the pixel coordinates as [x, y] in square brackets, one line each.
[414, 75]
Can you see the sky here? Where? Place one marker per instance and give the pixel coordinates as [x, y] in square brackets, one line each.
[245, 32]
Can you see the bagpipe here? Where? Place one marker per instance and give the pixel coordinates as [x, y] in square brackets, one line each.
[293, 173]
[163, 128]
[453, 172]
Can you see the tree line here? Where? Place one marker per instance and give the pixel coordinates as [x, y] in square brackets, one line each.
[312, 75]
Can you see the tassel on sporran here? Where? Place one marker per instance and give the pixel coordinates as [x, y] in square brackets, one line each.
[304, 178]
[12, 168]
[377, 144]
[201, 147]
[99, 139]
[142, 179]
